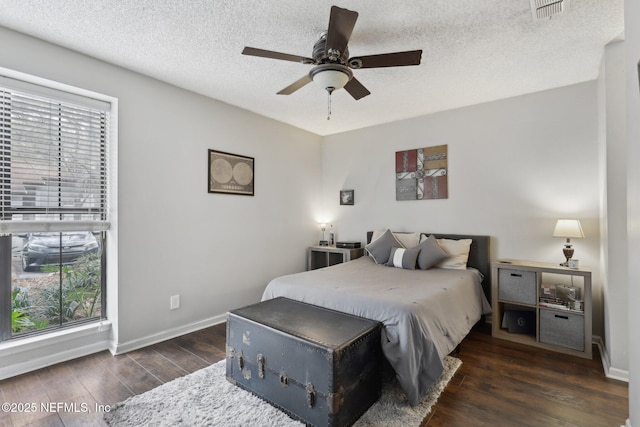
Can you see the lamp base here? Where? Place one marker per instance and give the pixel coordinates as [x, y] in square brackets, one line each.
[568, 253]
[324, 243]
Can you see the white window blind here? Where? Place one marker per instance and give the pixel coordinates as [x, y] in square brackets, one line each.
[53, 159]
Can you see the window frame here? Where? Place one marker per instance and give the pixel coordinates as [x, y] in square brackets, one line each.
[109, 153]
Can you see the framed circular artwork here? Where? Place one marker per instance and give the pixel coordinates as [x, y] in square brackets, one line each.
[230, 173]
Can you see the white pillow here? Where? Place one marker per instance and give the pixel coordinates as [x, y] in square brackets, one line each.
[407, 240]
[376, 235]
[458, 251]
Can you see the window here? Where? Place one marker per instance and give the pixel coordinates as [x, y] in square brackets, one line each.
[53, 207]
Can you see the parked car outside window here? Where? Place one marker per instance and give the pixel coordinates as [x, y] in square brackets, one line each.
[42, 249]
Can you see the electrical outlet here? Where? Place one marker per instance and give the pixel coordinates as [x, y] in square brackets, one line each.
[174, 303]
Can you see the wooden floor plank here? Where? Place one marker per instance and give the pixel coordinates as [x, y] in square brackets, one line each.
[25, 394]
[105, 387]
[5, 416]
[130, 373]
[69, 390]
[51, 420]
[206, 351]
[159, 366]
[500, 383]
[181, 357]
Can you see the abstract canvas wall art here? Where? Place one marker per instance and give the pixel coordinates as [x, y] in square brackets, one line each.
[421, 173]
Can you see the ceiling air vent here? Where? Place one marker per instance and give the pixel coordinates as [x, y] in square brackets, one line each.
[545, 9]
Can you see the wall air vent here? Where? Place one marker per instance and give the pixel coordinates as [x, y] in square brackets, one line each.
[545, 9]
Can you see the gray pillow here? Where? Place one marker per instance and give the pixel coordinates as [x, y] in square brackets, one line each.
[403, 258]
[380, 249]
[430, 253]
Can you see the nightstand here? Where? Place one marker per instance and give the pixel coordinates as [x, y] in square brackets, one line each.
[533, 304]
[325, 256]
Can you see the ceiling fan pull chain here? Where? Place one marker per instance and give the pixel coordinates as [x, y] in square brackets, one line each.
[329, 103]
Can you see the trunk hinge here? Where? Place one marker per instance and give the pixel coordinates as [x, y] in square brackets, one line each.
[261, 366]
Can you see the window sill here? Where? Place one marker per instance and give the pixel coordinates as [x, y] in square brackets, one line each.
[22, 355]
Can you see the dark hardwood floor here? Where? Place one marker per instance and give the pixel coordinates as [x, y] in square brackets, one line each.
[499, 384]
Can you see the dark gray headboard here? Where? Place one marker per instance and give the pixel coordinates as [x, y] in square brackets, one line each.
[479, 255]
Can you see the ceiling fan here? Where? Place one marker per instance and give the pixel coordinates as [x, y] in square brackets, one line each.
[330, 57]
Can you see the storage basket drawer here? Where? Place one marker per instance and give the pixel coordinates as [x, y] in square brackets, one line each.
[562, 329]
[517, 286]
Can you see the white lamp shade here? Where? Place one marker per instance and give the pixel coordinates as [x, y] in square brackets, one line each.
[568, 228]
[331, 79]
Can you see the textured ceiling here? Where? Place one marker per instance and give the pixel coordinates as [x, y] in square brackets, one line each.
[473, 51]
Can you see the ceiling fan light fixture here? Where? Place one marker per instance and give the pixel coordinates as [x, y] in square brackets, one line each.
[331, 58]
[331, 77]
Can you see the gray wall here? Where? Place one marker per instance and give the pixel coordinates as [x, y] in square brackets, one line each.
[217, 251]
[515, 167]
[614, 213]
[632, 45]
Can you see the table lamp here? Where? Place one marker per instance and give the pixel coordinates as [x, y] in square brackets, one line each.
[568, 228]
[323, 242]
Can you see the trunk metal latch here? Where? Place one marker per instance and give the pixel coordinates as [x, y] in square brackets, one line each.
[261, 366]
[284, 380]
[311, 395]
[241, 360]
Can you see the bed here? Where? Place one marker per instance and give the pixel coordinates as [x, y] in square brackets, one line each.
[425, 313]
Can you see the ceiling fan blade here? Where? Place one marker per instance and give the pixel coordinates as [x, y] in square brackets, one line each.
[356, 89]
[276, 55]
[397, 59]
[295, 85]
[341, 23]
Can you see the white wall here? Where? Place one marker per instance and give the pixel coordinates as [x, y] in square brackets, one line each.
[515, 167]
[216, 251]
[614, 212]
[632, 45]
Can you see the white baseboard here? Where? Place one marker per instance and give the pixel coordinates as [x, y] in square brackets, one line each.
[609, 372]
[120, 348]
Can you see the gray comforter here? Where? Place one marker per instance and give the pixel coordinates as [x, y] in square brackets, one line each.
[425, 313]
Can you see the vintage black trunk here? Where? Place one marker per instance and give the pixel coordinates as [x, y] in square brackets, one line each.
[319, 365]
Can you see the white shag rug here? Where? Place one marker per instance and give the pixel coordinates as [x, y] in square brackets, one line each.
[206, 398]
